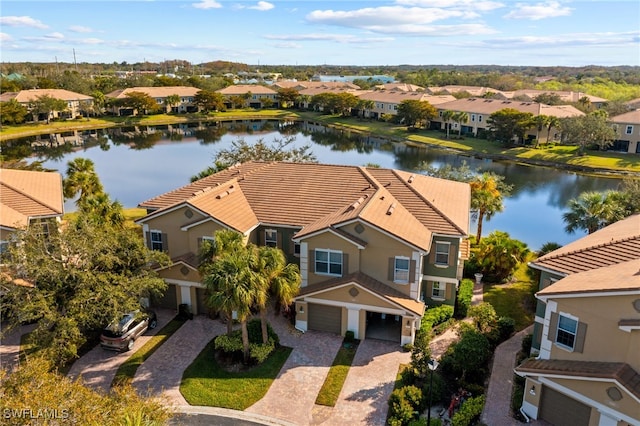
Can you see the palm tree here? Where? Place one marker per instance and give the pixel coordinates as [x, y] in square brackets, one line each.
[447, 116]
[277, 278]
[366, 105]
[81, 178]
[487, 191]
[552, 122]
[172, 100]
[460, 117]
[540, 121]
[592, 211]
[101, 208]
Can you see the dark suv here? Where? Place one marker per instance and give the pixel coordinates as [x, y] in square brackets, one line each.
[121, 335]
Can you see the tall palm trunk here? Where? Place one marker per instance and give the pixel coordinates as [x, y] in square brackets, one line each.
[245, 340]
[480, 219]
[263, 324]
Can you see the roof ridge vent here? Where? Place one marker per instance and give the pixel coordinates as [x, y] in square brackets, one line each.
[225, 193]
[391, 208]
[411, 178]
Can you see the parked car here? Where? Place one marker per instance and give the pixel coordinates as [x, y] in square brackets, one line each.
[121, 335]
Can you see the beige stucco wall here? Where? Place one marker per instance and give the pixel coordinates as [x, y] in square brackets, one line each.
[175, 272]
[331, 241]
[341, 294]
[207, 229]
[601, 314]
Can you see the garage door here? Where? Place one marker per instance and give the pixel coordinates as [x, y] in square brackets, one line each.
[325, 318]
[169, 299]
[560, 410]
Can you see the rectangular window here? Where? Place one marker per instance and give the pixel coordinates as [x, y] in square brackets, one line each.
[271, 238]
[473, 117]
[479, 118]
[296, 249]
[329, 262]
[437, 290]
[401, 270]
[156, 240]
[567, 329]
[629, 130]
[442, 253]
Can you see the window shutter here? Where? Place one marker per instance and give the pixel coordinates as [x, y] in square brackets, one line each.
[148, 238]
[199, 242]
[261, 237]
[432, 254]
[412, 271]
[546, 283]
[553, 327]
[165, 243]
[312, 260]
[453, 251]
[580, 336]
[392, 269]
[345, 264]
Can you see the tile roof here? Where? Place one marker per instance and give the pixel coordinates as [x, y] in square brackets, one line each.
[489, 106]
[29, 194]
[241, 89]
[25, 96]
[624, 276]
[392, 295]
[397, 96]
[319, 196]
[156, 92]
[618, 371]
[631, 117]
[614, 244]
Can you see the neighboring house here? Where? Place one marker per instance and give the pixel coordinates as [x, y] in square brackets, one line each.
[587, 331]
[374, 246]
[76, 102]
[28, 198]
[628, 132]
[387, 101]
[633, 103]
[254, 95]
[186, 93]
[479, 110]
[327, 85]
[567, 96]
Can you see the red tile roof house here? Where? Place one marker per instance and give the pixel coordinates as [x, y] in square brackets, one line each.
[255, 95]
[587, 331]
[627, 127]
[28, 197]
[187, 97]
[76, 102]
[375, 246]
[479, 110]
[387, 101]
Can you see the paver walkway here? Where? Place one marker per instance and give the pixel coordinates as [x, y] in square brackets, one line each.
[98, 367]
[10, 346]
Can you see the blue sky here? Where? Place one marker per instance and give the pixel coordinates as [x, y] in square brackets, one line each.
[363, 33]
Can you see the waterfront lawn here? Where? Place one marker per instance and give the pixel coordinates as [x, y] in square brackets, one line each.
[207, 383]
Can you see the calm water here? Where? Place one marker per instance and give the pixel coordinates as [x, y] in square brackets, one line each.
[134, 167]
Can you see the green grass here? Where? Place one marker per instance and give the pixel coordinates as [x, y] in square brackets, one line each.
[516, 299]
[206, 383]
[128, 369]
[332, 385]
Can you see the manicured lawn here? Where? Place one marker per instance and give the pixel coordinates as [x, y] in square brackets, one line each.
[128, 369]
[515, 300]
[206, 383]
[332, 385]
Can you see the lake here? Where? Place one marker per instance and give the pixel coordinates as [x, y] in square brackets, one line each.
[135, 164]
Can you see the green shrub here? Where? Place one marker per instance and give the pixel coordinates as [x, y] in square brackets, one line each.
[527, 341]
[440, 391]
[463, 301]
[405, 405]
[228, 343]
[232, 344]
[434, 316]
[506, 326]
[260, 351]
[349, 336]
[484, 315]
[469, 411]
[441, 328]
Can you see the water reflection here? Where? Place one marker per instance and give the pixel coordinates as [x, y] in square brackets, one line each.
[138, 162]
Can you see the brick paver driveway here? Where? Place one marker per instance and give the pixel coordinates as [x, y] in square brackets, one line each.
[10, 345]
[98, 367]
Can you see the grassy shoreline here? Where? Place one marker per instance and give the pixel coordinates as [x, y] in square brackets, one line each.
[606, 164]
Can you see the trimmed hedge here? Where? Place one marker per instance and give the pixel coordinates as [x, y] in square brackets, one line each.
[469, 411]
[465, 294]
[436, 315]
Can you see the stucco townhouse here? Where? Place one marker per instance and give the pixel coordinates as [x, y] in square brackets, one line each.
[627, 128]
[76, 102]
[479, 110]
[255, 95]
[387, 101]
[159, 94]
[28, 198]
[586, 341]
[376, 247]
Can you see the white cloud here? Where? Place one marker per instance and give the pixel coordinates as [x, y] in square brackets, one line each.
[4, 37]
[535, 12]
[386, 16]
[339, 38]
[262, 6]
[80, 29]
[483, 6]
[207, 4]
[22, 21]
[575, 40]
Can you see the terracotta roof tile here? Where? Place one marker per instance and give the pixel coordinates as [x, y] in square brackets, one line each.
[618, 371]
[30, 95]
[26, 194]
[156, 92]
[371, 284]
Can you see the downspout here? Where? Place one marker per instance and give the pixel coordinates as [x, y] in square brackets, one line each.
[299, 329]
[525, 414]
